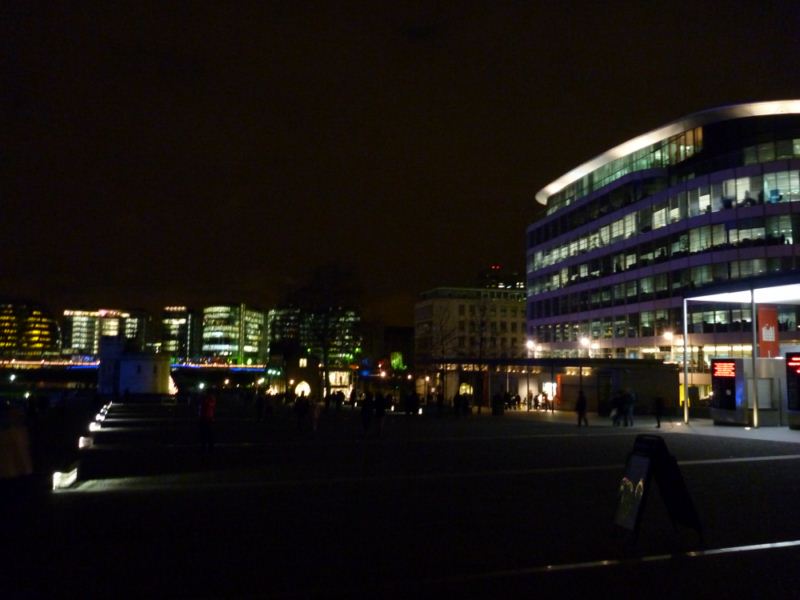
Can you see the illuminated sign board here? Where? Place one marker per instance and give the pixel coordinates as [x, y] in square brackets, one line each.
[793, 380]
[723, 368]
[727, 383]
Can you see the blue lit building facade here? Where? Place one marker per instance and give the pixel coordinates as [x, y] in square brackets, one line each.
[709, 200]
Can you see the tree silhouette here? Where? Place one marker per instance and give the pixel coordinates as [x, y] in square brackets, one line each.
[328, 301]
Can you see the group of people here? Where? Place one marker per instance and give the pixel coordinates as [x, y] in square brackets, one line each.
[307, 411]
[373, 406]
[541, 401]
[622, 408]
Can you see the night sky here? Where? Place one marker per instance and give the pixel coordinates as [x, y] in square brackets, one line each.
[198, 152]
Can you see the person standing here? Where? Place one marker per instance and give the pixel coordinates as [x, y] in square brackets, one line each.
[366, 412]
[617, 408]
[301, 409]
[316, 409]
[260, 405]
[629, 401]
[380, 411]
[580, 408]
[658, 409]
[208, 411]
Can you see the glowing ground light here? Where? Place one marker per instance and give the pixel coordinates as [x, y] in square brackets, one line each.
[85, 442]
[95, 426]
[62, 480]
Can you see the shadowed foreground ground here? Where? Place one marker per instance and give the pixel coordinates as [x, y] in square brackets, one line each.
[478, 507]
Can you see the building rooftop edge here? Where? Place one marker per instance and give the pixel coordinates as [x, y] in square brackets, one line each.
[470, 289]
[713, 115]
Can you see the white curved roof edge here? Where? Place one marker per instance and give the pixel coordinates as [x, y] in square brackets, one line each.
[713, 115]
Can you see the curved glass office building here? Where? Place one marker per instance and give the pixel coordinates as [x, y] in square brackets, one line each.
[707, 201]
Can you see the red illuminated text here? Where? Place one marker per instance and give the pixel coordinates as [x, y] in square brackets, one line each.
[724, 369]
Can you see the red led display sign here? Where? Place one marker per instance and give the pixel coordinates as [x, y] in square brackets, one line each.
[793, 381]
[724, 369]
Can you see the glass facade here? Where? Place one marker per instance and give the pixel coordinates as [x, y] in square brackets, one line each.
[177, 332]
[335, 332]
[622, 246]
[233, 334]
[662, 154]
[84, 328]
[27, 332]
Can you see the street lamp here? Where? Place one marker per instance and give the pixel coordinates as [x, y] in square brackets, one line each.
[531, 346]
[668, 337]
[586, 343]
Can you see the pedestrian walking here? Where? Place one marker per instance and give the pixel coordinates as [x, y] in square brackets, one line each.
[580, 408]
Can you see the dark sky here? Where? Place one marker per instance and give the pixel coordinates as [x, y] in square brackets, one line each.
[194, 152]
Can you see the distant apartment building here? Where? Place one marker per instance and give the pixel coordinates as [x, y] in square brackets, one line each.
[475, 323]
[233, 333]
[179, 333]
[27, 332]
[82, 329]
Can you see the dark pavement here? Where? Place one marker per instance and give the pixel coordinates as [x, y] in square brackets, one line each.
[512, 506]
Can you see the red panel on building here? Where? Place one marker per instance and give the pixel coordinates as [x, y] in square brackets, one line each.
[768, 345]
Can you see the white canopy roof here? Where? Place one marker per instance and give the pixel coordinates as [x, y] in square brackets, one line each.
[779, 294]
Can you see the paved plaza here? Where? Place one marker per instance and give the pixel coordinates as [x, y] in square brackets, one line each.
[481, 506]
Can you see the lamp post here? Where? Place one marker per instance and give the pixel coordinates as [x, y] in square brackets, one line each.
[668, 337]
[685, 361]
[530, 345]
[585, 343]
